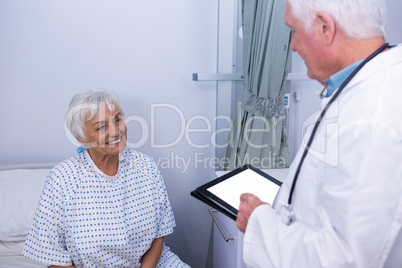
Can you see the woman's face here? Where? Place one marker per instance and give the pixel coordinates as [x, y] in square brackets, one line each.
[106, 133]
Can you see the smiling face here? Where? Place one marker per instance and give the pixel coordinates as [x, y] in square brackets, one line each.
[106, 133]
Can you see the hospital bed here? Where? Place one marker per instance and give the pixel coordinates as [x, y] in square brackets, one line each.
[20, 190]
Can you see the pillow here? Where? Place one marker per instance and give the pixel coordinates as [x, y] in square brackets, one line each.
[20, 191]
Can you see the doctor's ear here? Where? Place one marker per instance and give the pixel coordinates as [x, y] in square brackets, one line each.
[325, 27]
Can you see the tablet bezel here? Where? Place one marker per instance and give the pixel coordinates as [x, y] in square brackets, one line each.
[219, 202]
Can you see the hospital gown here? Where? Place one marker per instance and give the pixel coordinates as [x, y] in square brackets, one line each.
[95, 220]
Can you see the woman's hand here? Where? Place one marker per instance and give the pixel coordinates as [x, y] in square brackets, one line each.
[152, 256]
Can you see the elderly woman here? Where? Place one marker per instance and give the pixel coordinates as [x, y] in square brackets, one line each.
[107, 206]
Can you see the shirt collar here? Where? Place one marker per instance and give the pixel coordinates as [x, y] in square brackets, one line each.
[336, 80]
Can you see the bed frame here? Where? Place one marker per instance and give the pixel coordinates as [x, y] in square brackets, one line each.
[28, 166]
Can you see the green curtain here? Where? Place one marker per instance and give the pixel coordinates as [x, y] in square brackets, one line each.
[258, 134]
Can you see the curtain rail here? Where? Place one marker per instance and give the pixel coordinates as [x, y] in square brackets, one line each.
[239, 77]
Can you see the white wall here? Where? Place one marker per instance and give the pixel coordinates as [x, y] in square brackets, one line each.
[145, 51]
[309, 102]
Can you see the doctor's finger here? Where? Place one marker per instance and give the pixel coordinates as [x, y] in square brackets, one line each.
[241, 222]
[244, 197]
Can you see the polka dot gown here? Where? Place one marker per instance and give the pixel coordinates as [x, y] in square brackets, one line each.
[90, 219]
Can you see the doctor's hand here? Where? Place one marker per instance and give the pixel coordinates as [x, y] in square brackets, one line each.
[248, 202]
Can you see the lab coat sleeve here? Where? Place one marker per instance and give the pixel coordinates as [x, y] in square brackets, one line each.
[270, 243]
[255, 249]
[358, 208]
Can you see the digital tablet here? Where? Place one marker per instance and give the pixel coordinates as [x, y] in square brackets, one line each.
[224, 192]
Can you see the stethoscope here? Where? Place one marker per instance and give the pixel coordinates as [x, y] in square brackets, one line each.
[286, 212]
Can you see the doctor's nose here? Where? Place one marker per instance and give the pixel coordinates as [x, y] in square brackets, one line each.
[293, 45]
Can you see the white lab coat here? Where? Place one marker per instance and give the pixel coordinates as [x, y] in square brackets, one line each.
[348, 198]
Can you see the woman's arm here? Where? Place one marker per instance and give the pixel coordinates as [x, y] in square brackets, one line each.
[151, 257]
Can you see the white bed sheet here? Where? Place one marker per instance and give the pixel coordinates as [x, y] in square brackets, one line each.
[11, 248]
[19, 262]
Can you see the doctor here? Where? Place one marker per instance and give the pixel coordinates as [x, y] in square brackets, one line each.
[345, 209]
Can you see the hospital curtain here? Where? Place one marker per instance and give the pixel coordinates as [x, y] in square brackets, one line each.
[258, 134]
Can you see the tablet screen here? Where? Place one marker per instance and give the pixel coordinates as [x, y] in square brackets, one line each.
[247, 181]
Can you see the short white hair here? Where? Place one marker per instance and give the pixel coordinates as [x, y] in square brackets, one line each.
[86, 106]
[357, 18]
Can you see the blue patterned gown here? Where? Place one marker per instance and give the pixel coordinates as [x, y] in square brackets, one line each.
[89, 219]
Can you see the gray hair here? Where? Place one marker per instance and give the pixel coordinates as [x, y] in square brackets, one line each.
[86, 106]
[357, 18]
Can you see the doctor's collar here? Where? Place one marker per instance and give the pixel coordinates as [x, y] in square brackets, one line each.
[336, 80]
